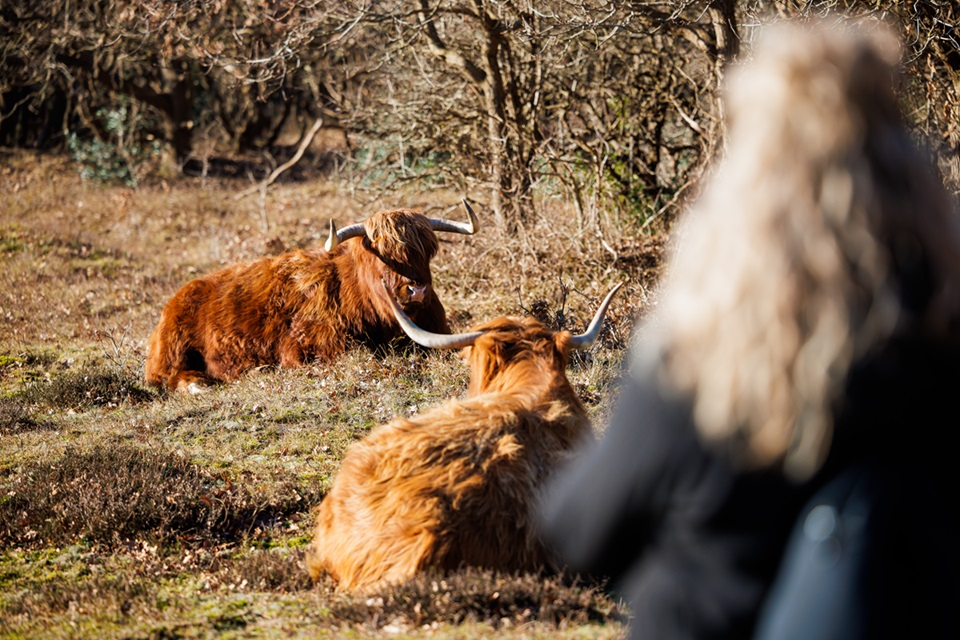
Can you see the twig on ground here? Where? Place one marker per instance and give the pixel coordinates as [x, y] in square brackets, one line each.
[262, 186]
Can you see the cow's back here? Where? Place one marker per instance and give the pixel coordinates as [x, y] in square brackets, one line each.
[456, 486]
[277, 310]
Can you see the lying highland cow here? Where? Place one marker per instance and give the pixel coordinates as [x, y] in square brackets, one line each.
[302, 305]
[459, 485]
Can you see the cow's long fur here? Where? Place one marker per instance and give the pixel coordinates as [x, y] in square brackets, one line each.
[459, 484]
[302, 305]
[795, 261]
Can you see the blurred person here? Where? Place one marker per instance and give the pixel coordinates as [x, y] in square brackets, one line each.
[800, 370]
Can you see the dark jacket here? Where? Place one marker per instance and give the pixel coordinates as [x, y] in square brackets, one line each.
[695, 544]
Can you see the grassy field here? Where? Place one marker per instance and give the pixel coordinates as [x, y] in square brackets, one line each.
[130, 513]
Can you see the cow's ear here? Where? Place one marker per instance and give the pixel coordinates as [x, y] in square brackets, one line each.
[562, 341]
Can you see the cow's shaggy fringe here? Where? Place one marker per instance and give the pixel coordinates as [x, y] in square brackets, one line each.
[794, 261]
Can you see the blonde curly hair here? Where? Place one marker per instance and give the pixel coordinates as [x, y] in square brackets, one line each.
[823, 232]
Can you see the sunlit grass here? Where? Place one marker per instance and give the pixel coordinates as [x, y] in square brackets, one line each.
[126, 511]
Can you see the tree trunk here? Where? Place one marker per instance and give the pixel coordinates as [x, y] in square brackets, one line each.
[724, 20]
[501, 169]
[180, 112]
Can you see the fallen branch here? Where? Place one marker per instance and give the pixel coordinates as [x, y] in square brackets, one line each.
[262, 186]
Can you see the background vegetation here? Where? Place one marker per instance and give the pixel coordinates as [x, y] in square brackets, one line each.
[143, 143]
[611, 104]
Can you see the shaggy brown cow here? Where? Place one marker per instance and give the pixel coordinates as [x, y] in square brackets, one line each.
[459, 485]
[302, 305]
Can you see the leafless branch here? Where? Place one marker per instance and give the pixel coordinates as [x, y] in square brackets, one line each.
[261, 187]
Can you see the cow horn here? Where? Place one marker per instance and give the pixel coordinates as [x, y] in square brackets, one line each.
[336, 237]
[332, 241]
[585, 340]
[468, 228]
[426, 338]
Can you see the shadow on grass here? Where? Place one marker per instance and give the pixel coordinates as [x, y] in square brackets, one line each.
[113, 493]
[16, 417]
[89, 386]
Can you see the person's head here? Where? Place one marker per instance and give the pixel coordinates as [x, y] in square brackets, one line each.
[823, 233]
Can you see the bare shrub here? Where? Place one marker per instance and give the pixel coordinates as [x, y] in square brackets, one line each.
[276, 570]
[16, 417]
[116, 492]
[476, 595]
[89, 386]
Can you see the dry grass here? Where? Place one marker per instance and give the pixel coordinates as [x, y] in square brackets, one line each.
[131, 513]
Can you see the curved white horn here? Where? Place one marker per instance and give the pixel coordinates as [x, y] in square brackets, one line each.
[585, 340]
[468, 228]
[426, 338]
[336, 237]
[332, 240]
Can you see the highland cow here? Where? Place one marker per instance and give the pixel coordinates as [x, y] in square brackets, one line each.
[459, 485]
[303, 305]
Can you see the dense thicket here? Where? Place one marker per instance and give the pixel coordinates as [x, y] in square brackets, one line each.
[597, 99]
